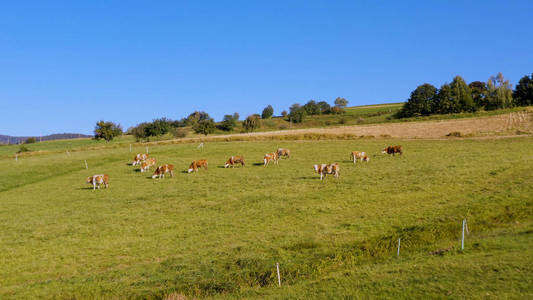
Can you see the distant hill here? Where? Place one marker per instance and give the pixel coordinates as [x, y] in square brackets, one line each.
[5, 139]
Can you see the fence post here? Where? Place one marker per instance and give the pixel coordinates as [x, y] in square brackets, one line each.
[130, 147]
[146, 149]
[279, 277]
[86, 166]
[399, 246]
[16, 157]
[463, 235]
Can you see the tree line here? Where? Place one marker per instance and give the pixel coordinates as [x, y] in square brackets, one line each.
[201, 123]
[458, 97]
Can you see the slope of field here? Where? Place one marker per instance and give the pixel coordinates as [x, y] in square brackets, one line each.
[219, 233]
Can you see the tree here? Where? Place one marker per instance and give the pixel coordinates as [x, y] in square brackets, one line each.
[420, 103]
[312, 108]
[236, 116]
[341, 102]
[252, 123]
[499, 92]
[324, 107]
[479, 93]
[444, 103]
[228, 123]
[139, 131]
[523, 93]
[267, 112]
[462, 95]
[284, 113]
[205, 126]
[297, 113]
[158, 127]
[196, 117]
[107, 130]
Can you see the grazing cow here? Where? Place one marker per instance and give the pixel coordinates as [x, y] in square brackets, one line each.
[393, 150]
[359, 155]
[284, 152]
[145, 165]
[273, 156]
[139, 158]
[98, 180]
[161, 170]
[234, 160]
[324, 169]
[195, 165]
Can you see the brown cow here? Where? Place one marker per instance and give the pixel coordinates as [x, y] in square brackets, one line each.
[273, 156]
[234, 160]
[359, 155]
[284, 152]
[98, 180]
[161, 170]
[145, 165]
[324, 169]
[195, 165]
[139, 158]
[393, 150]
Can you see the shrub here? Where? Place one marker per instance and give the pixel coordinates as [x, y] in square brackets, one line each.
[107, 130]
[30, 140]
[267, 112]
[23, 148]
[179, 132]
[204, 127]
[251, 123]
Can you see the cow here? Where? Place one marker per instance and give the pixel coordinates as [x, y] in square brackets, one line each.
[273, 156]
[234, 160]
[145, 165]
[284, 152]
[359, 155]
[97, 180]
[324, 169]
[161, 170]
[195, 165]
[139, 158]
[393, 150]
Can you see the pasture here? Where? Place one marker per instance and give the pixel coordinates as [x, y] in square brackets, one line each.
[219, 233]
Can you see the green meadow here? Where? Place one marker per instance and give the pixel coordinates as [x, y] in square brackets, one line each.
[220, 232]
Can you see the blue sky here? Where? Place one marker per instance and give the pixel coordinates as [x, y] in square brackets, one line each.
[66, 64]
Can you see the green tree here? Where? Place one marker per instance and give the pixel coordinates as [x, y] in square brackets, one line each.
[461, 95]
[324, 107]
[267, 112]
[236, 116]
[523, 93]
[297, 113]
[444, 103]
[107, 130]
[420, 103]
[341, 102]
[312, 108]
[158, 127]
[205, 126]
[228, 123]
[196, 117]
[252, 123]
[499, 93]
[284, 113]
[479, 93]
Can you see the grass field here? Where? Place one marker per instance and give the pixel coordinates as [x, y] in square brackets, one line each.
[219, 233]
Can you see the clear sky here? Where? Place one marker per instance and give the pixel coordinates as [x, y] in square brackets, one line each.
[66, 64]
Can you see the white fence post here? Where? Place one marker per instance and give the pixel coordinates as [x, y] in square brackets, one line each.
[130, 147]
[146, 149]
[463, 235]
[279, 277]
[86, 166]
[16, 157]
[399, 246]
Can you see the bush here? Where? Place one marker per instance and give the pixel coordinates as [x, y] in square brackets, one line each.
[267, 112]
[455, 134]
[179, 132]
[251, 123]
[337, 110]
[228, 123]
[30, 140]
[23, 148]
[204, 127]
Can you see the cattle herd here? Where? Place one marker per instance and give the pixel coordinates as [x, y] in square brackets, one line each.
[145, 161]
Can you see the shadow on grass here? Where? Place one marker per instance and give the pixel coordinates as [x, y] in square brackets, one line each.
[258, 164]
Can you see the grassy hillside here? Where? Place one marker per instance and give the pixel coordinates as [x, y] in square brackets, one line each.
[219, 233]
